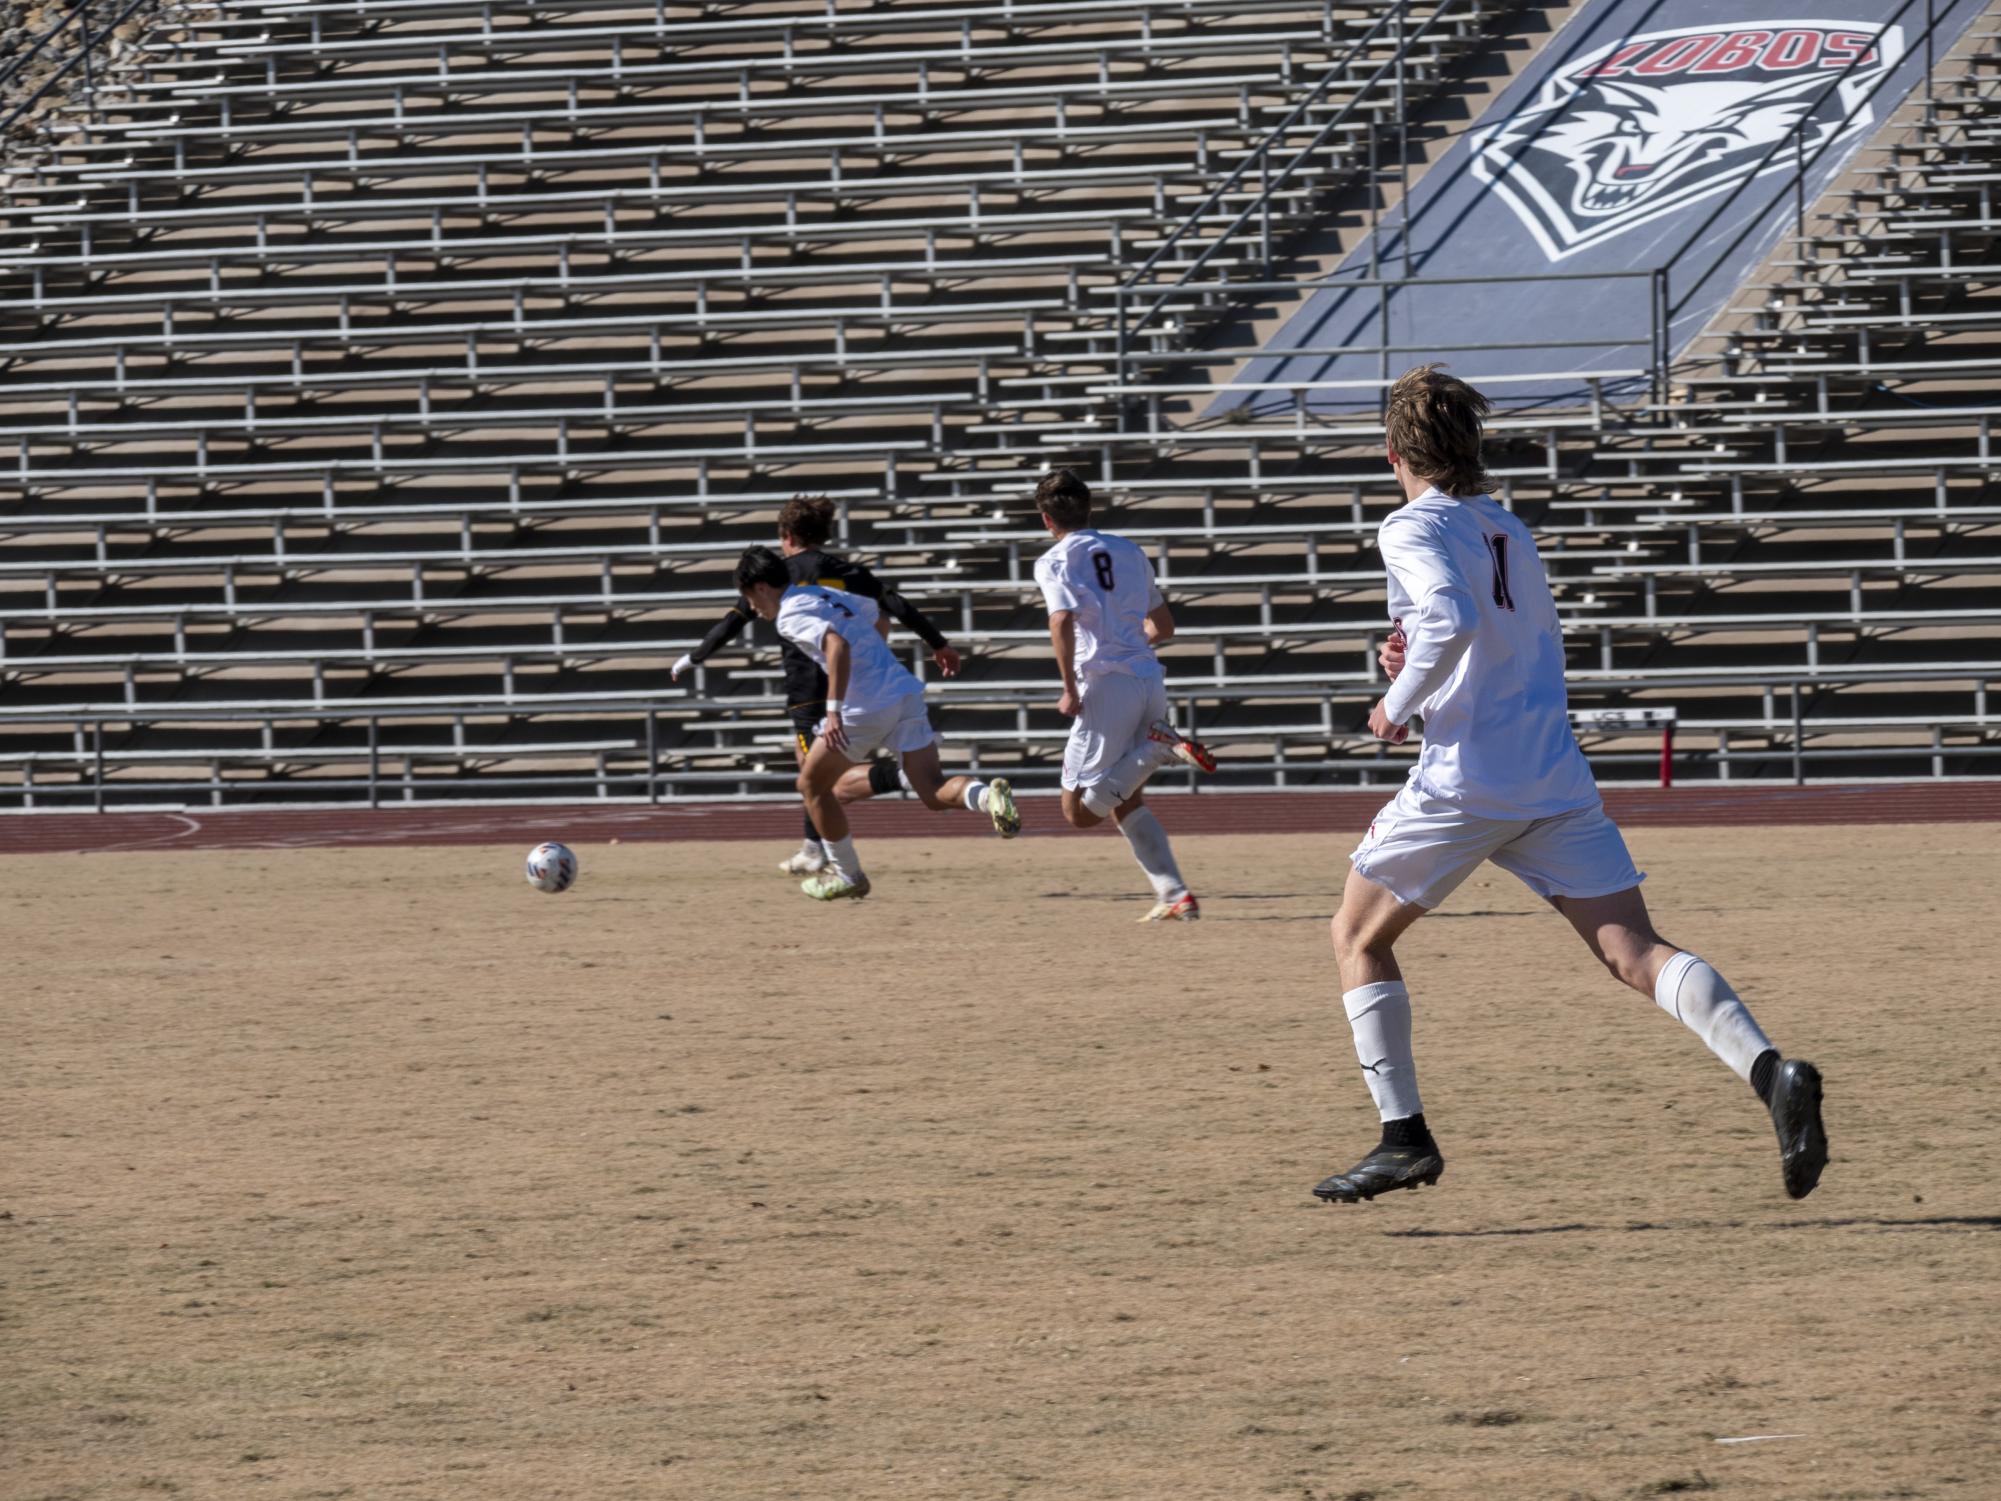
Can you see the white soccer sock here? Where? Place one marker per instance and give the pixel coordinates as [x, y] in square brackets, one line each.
[1380, 1017]
[903, 779]
[1155, 855]
[841, 858]
[1701, 1000]
[976, 797]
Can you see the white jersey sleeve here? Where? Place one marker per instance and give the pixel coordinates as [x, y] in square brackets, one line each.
[1051, 572]
[805, 621]
[1434, 607]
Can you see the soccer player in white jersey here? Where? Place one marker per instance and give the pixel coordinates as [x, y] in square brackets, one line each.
[1478, 653]
[1106, 615]
[873, 703]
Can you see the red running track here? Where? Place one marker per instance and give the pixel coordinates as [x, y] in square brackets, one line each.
[1221, 813]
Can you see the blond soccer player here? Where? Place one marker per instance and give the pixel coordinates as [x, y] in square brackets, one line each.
[1478, 653]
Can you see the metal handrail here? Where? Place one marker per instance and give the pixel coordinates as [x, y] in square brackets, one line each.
[1802, 163]
[1663, 306]
[78, 15]
[1399, 12]
[22, 59]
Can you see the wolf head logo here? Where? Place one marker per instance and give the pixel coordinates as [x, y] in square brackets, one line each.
[1654, 123]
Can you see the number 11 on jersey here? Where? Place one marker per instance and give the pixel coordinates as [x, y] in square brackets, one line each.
[1497, 545]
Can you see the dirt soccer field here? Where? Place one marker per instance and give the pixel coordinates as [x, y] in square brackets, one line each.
[374, 1174]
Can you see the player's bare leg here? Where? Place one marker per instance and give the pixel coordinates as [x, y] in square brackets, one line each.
[1621, 935]
[843, 876]
[1075, 813]
[854, 785]
[1365, 932]
[1172, 900]
[940, 793]
[1366, 929]
[811, 858]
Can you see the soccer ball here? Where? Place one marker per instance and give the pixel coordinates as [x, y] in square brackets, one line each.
[552, 868]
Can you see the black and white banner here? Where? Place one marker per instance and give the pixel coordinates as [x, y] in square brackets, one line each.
[1638, 122]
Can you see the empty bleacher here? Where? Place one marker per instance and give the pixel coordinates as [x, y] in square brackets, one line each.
[386, 389]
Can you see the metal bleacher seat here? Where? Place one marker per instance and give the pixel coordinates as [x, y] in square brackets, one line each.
[395, 355]
[385, 386]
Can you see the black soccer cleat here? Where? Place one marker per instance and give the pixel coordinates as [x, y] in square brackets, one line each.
[1385, 1168]
[1796, 1117]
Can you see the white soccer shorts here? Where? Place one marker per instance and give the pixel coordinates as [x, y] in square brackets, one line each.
[901, 727]
[1420, 849]
[1117, 710]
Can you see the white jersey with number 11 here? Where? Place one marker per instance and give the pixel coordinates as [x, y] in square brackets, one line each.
[1497, 736]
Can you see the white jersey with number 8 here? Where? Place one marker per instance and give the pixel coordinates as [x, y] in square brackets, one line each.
[1106, 583]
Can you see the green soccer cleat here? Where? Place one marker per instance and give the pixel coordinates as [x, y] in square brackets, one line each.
[1000, 804]
[828, 886]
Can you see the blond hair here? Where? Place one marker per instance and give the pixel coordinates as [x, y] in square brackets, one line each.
[1434, 427]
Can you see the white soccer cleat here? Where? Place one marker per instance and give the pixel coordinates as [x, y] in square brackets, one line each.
[1183, 908]
[1193, 752]
[1001, 808]
[804, 863]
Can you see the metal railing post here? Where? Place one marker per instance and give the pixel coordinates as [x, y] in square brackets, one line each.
[97, 735]
[1799, 734]
[1403, 146]
[1119, 349]
[1799, 187]
[652, 756]
[1931, 86]
[374, 763]
[89, 74]
[1383, 332]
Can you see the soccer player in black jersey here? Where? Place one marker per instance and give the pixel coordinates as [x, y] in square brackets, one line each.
[804, 525]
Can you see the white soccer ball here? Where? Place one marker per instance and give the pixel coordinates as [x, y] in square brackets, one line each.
[552, 868]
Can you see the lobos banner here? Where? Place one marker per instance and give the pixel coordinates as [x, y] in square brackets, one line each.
[1638, 122]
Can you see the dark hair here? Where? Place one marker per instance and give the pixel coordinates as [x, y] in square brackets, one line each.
[807, 520]
[1064, 499]
[1434, 427]
[760, 565]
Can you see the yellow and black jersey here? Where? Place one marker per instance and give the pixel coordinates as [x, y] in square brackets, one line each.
[805, 684]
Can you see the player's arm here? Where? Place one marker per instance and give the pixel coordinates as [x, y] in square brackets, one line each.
[1437, 633]
[1061, 601]
[720, 635]
[892, 605]
[1159, 624]
[1063, 637]
[840, 662]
